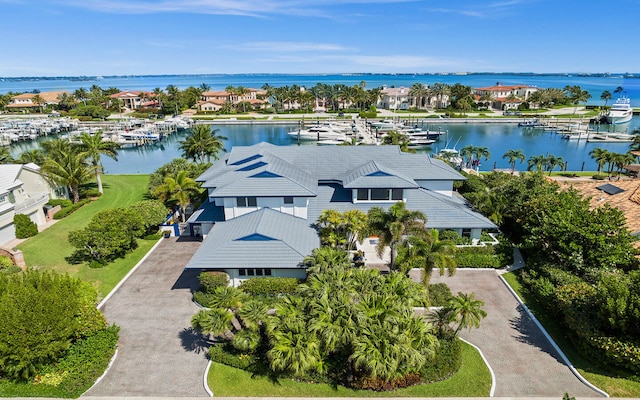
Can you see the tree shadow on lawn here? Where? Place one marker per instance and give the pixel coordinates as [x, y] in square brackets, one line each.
[532, 335]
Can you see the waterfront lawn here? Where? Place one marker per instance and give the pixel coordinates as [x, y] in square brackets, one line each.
[472, 380]
[49, 248]
[611, 381]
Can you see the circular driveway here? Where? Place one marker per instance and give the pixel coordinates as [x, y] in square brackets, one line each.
[158, 353]
[523, 360]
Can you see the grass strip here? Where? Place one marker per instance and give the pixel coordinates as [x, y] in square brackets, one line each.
[611, 381]
[472, 380]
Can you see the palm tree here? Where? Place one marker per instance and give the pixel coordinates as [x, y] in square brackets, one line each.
[466, 311]
[94, 146]
[576, 95]
[81, 94]
[536, 162]
[393, 225]
[204, 87]
[69, 169]
[427, 251]
[325, 257]
[467, 154]
[553, 161]
[481, 151]
[621, 160]
[180, 189]
[606, 96]
[635, 144]
[216, 321]
[5, 156]
[418, 91]
[513, 156]
[599, 155]
[38, 101]
[202, 144]
[295, 350]
[35, 156]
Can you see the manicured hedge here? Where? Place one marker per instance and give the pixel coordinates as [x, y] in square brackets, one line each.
[446, 362]
[210, 280]
[269, 286]
[69, 210]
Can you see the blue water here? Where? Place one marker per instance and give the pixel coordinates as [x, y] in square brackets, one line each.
[498, 138]
[594, 84]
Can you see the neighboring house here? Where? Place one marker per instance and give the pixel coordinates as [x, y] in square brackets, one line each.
[25, 100]
[506, 97]
[135, 100]
[214, 100]
[23, 190]
[263, 201]
[395, 98]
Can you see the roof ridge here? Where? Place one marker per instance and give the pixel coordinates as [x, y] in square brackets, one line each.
[635, 196]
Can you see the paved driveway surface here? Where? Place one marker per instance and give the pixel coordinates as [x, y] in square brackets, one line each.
[523, 360]
[158, 354]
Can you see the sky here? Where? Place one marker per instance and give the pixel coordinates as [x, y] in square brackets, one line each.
[146, 37]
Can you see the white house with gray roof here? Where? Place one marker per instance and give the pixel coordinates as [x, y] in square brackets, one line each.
[23, 190]
[264, 200]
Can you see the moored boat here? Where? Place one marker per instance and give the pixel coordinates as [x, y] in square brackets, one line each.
[620, 112]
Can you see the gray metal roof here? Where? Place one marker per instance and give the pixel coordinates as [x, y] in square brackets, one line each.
[374, 175]
[325, 163]
[261, 239]
[442, 211]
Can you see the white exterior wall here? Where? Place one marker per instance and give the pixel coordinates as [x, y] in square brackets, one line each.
[297, 209]
[442, 187]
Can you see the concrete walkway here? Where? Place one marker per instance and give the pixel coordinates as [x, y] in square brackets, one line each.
[523, 360]
[158, 354]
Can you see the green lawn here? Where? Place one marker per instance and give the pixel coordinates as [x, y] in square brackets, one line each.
[609, 381]
[472, 380]
[48, 249]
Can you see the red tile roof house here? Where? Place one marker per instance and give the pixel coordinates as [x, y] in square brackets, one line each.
[25, 100]
[501, 95]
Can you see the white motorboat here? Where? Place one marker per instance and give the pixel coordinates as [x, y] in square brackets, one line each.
[620, 111]
[318, 132]
[386, 124]
[576, 135]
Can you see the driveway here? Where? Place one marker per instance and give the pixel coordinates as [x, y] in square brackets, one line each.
[158, 354]
[524, 362]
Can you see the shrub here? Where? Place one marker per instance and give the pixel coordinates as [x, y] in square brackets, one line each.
[60, 202]
[90, 193]
[439, 294]
[5, 262]
[24, 226]
[269, 286]
[153, 213]
[226, 355]
[446, 362]
[477, 257]
[210, 280]
[70, 209]
[204, 299]
[379, 385]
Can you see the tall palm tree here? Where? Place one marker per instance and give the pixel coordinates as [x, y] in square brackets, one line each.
[576, 95]
[635, 144]
[180, 189]
[599, 155]
[81, 94]
[393, 225]
[466, 311]
[69, 169]
[621, 160]
[480, 152]
[38, 101]
[606, 96]
[94, 146]
[513, 156]
[202, 144]
[427, 251]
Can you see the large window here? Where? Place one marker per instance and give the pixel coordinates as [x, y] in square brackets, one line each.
[254, 272]
[288, 200]
[379, 194]
[246, 202]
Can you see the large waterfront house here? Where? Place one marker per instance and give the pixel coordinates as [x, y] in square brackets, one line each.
[23, 190]
[215, 100]
[505, 97]
[28, 101]
[133, 100]
[263, 201]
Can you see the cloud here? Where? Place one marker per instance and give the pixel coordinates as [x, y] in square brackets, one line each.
[252, 8]
[479, 10]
